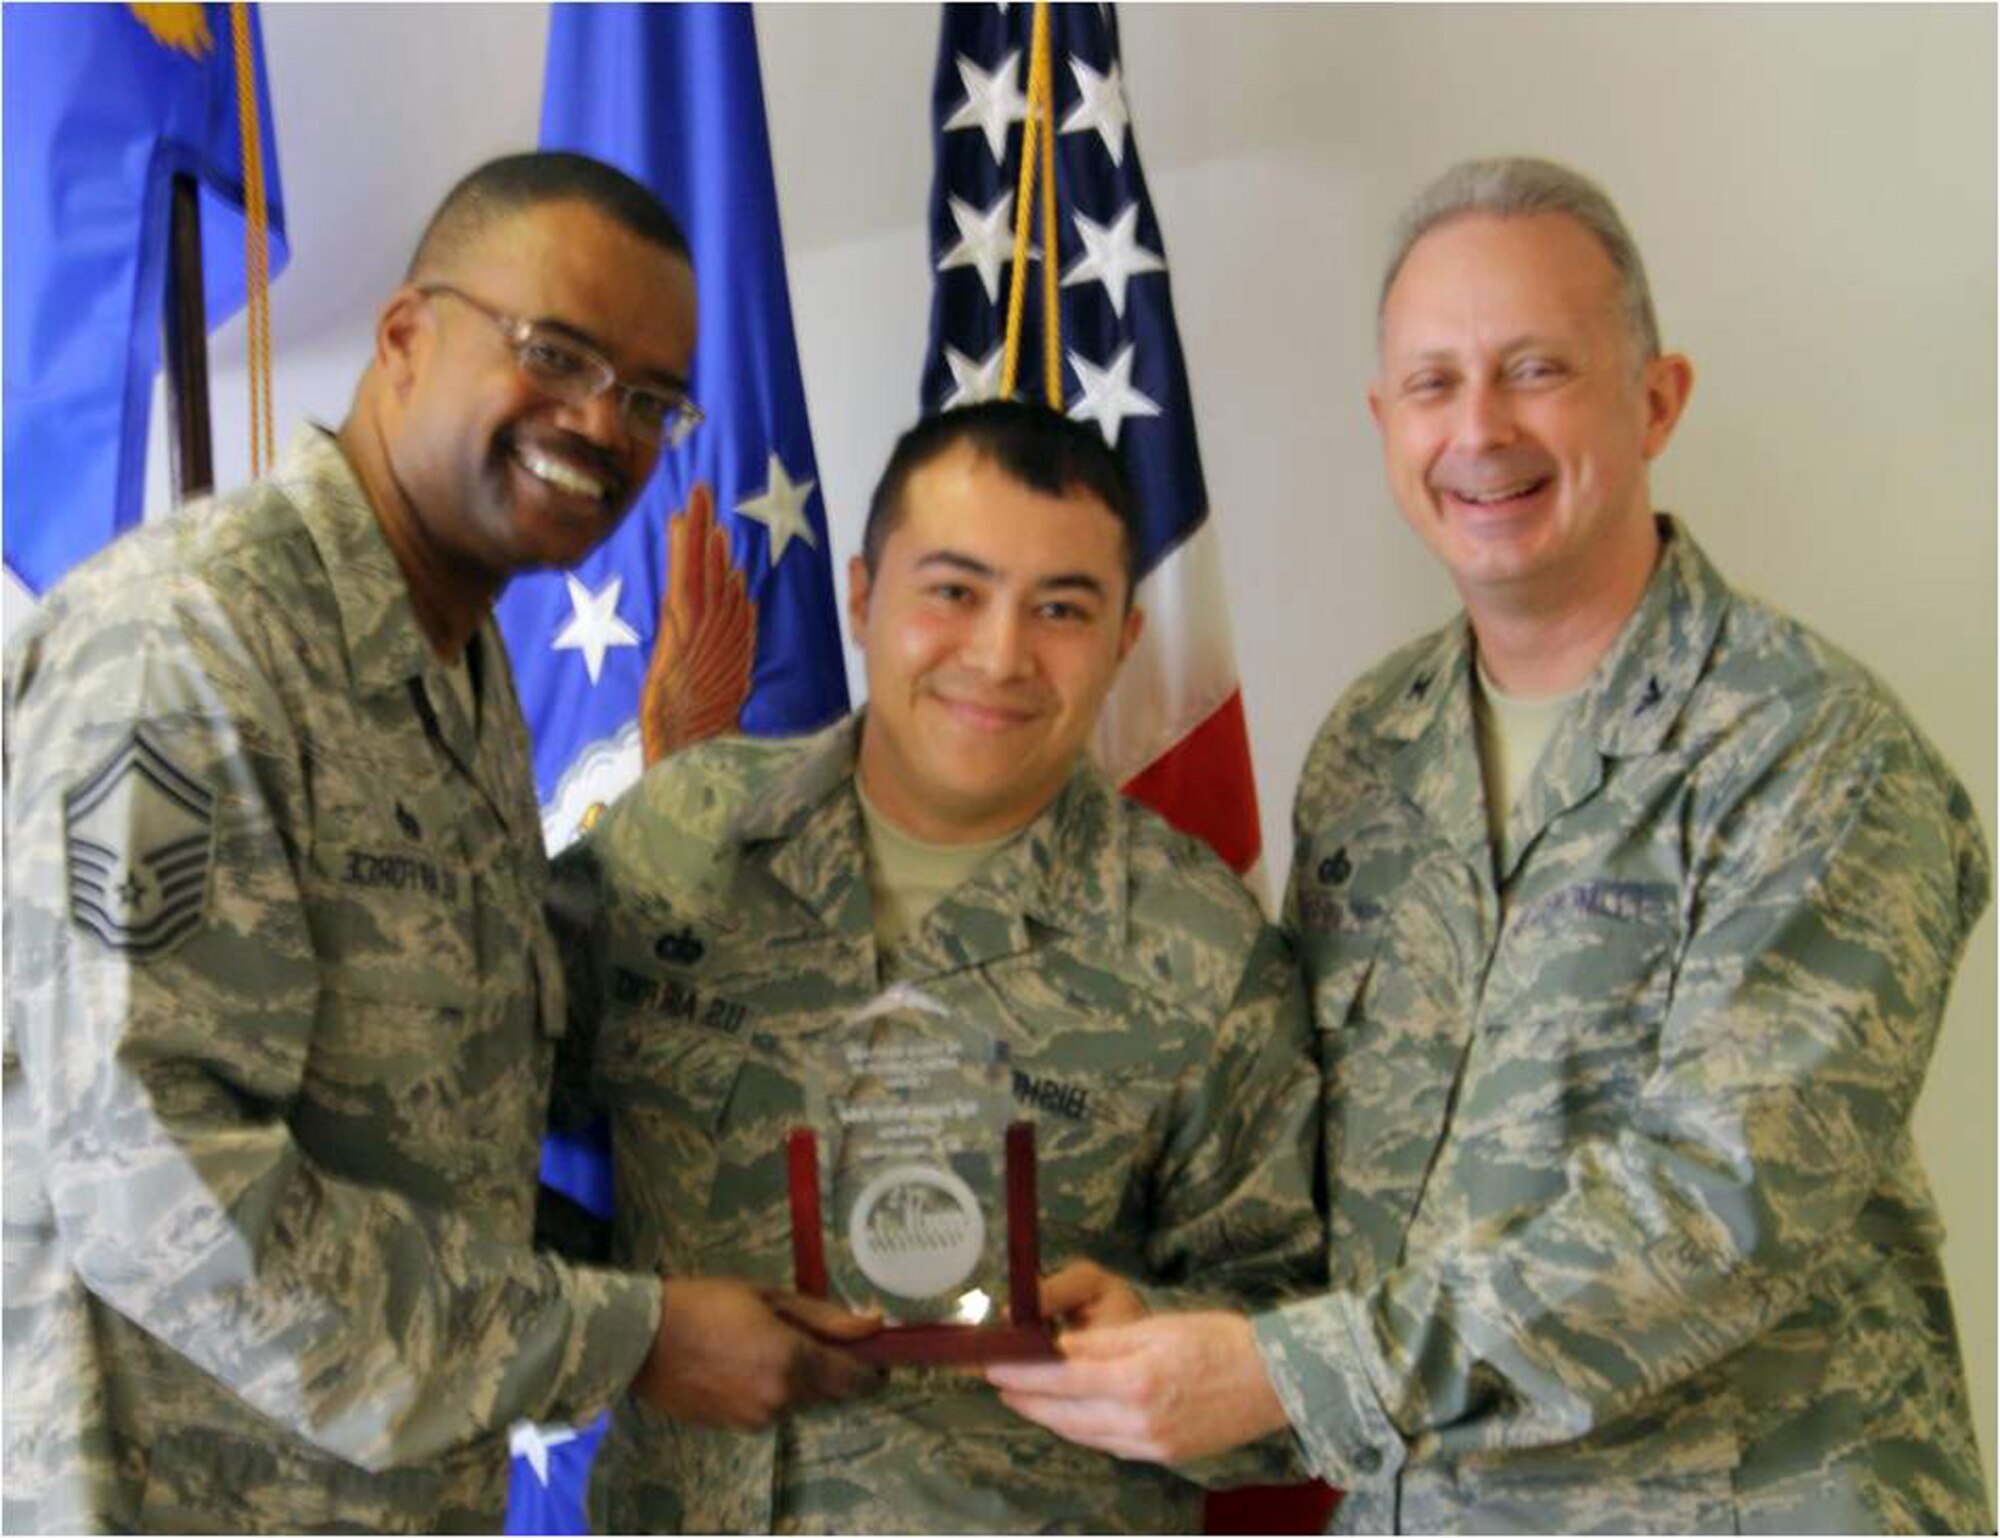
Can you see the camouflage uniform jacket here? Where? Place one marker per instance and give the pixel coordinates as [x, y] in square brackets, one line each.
[1627, 1231]
[1157, 1036]
[280, 1009]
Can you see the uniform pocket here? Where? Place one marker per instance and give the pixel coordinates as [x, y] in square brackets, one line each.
[1349, 881]
[394, 925]
[1573, 1010]
[425, 1072]
[213, 1482]
[1648, 1474]
[664, 1047]
[668, 1082]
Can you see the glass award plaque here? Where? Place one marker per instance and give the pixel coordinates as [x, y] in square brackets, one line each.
[913, 1188]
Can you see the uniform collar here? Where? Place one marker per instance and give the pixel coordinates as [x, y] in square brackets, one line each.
[1428, 741]
[1428, 689]
[1638, 691]
[384, 646]
[1627, 706]
[1065, 871]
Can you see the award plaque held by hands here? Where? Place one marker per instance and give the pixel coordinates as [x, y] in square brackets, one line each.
[913, 1189]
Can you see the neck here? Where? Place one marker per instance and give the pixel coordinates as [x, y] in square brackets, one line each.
[1534, 647]
[934, 825]
[881, 824]
[449, 597]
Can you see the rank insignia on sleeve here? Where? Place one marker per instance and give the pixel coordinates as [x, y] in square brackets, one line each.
[140, 835]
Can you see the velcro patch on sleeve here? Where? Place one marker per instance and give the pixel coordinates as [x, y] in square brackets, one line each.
[139, 832]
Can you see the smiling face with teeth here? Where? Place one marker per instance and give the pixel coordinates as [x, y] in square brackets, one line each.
[1518, 421]
[493, 476]
[993, 626]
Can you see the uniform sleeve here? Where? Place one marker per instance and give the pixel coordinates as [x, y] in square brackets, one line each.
[1833, 881]
[162, 996]
[1235, 1218]
[1239, 1223]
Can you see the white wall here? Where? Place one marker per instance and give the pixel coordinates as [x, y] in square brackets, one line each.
[1814, 188]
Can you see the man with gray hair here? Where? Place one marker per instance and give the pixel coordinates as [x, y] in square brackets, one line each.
[1629, 909]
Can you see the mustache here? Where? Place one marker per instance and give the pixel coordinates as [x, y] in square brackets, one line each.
[1489, 472]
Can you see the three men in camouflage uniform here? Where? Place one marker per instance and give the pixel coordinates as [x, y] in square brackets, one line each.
[281, 999]
[1622, 1029]
[746, 898]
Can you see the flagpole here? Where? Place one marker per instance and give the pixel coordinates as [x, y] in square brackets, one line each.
[186, 323]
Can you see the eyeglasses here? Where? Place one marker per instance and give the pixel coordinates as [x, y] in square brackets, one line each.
[569, 371]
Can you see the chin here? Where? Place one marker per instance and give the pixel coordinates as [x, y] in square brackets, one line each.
[559, 545]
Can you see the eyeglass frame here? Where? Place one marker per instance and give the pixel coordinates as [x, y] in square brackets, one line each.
[675, 427]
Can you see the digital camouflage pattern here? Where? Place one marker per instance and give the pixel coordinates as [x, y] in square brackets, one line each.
[1157, 1035]
[280, 1016]
[1627, 1230]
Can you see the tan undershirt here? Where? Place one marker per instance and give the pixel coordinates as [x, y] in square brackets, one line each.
[1513, 732]
[459, 675]
[908, 877]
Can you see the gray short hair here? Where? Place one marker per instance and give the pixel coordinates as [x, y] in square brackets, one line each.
[1518, 186]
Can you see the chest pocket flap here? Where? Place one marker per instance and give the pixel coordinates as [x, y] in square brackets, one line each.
[394, 924]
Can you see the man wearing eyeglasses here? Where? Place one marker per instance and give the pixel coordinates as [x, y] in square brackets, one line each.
[281, 1001]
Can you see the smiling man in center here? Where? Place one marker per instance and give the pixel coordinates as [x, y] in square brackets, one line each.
[748, 898]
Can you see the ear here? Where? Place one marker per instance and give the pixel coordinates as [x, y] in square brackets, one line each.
[1668, 383]
[857, 599]
[1135, 623]
[1375, 403]
[402, 337]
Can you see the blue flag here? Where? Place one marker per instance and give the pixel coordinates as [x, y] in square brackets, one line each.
[102, 110]
[673, 96]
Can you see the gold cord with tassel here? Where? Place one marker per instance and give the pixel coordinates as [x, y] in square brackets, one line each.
[256, 246]
[1037, 154]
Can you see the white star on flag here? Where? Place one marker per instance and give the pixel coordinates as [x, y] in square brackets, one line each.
[973, 379]
[992, 102]
[1112, 256]
[1108, 394]
[594, 626]
[781, 508]
[1102, 108]
[985, 241]
[527, 1440]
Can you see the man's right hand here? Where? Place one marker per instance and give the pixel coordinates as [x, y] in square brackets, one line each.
[730, 1354]
[1082, 1295]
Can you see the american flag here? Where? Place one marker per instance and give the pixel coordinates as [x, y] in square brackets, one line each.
[1172, 732]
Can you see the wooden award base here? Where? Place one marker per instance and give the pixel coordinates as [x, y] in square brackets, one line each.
[1024, 1335]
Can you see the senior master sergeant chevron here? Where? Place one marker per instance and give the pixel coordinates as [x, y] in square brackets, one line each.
[1629, 908]
[281, 1002]
[746, 897]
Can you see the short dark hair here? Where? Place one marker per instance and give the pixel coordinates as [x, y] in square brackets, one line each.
[508, 186]
[1036, 446]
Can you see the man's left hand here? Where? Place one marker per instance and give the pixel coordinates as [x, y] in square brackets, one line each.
[1170, 1388]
